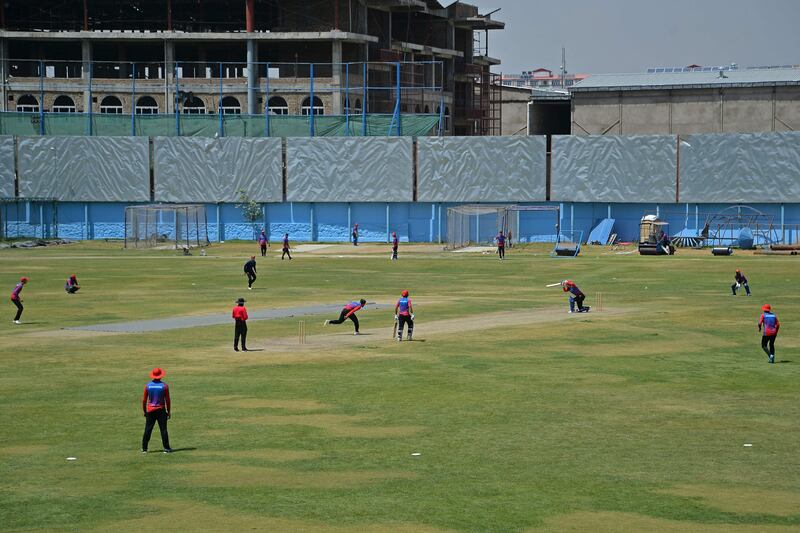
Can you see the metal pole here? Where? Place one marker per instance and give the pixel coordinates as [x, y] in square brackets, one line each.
[41, 97]
[89, 116]
[219, 104]
[187, 227]
[266, 101]
[364, 103]
[441, 115]
[347, 99]
[86, 222]
[311, 104]
[387, 222]
[133, 99]
[177, 103]
[397, 104]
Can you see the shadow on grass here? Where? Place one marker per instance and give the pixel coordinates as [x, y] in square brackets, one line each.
[783, 361]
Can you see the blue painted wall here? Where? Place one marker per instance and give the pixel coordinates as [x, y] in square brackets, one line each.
[332, 222]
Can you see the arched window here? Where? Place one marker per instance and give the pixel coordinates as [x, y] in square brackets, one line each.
[277, 106]
[27, 103]
[305, 108]
[230, 106]
[111, 105]
[63, 104]
[146, 105]
[192, 105]
[416, 109]
[358, 106]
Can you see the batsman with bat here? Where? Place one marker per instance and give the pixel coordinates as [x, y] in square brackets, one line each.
[575, 297]
[404, 314]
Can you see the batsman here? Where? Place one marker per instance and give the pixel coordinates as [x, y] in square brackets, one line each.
[404, 314]
[576, 297]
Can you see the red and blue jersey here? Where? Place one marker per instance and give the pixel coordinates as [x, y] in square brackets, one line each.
[17, 290]
[770, 322]
[404, 304]
[501, 240]
[353, 307]
[573, 289]
[156, 396]
[286, 242]
[262, 239]
[394, 242]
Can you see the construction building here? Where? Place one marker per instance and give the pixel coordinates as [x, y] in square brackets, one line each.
[251, 57]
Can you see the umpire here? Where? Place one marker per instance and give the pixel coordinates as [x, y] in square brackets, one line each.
[239, 314]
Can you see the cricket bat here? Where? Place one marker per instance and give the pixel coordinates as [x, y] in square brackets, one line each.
[553, 284]
[394, 329]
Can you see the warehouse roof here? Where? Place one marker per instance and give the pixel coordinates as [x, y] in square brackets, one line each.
[689, 80]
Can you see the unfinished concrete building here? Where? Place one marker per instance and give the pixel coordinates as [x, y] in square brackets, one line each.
[280, 57]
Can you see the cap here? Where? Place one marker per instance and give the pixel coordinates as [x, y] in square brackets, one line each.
[24, 278]
[766, 307]
[241, 301]
[157, 373]
[404, 293]
[362, 301]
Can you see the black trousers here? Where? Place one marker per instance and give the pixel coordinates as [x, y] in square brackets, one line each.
[285, 252]
[160, 416]
[19, 309]
[402, 320]
[579, 301]
[251, 278]
[240, 332]
[263, 250]
[746, 288]
[343, 316]
[73, 289]
[501, 251]
[768, 340]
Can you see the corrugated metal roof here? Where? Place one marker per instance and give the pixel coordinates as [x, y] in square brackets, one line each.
[663, 80]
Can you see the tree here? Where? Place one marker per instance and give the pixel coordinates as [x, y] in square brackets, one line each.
[251, 210]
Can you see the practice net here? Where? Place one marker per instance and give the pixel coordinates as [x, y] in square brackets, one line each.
[166, 226]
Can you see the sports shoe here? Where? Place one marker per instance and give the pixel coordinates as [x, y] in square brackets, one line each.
[17, 322]
[399, 339]
[144, 451]
[167, 450]
[249, 288]
[771, 358]
[356, 333]
[326, 322]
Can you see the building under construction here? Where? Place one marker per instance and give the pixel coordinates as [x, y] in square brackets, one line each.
[348, 58]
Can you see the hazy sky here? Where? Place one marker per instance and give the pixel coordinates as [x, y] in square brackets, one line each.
[631, 35]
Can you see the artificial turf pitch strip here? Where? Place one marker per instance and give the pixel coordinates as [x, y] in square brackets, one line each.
[524, 418]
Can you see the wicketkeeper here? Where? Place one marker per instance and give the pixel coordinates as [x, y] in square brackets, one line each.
[740, 280]
[71, 286]
[576, 297]
[349, 311]
[404, 314]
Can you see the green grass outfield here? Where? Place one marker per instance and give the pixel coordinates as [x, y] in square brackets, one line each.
[525, 417]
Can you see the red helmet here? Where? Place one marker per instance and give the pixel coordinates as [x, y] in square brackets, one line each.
[766, 307]
[24, 279]
[404, 294]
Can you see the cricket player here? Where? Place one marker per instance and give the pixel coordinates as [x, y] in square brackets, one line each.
[71, 286]
[16, 300]
[575, 296]
[262, 243]
[157, 407]
[771, 325]
[740, 280]
[501, 245]
[355, 234]
[239, 315]
[349, 311]
[286, 247]
[395, 243]
[404, 314]
[250, 271]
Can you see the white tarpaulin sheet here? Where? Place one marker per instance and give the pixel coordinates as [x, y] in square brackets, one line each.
[194, 169]
[84, 169]
[481, 169]
[6, 166]
[740, 168]
[613, 168]
[356, 169]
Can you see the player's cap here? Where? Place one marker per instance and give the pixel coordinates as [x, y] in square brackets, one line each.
[157, 373]
[404, 293]
[362, 302]
[24, 279]
[241, 301]
[766, 307]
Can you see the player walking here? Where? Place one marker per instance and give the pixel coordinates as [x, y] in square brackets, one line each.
[501, 245]
[404, 314]
[771, 326]
[262, 243]
[286, 247]
[740, 280]
[576, 297]
[250, 271]
[239, 314]
[355, 234]
[157, 407]
[395, 243]
[16, 300]
[71, 285]
[349, 311]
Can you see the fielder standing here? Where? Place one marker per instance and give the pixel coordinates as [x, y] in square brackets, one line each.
[771, 325]
[349, 311]
[286, 247]
[355, 234]
[501, 245]
[16, 300]
[262, 243]
[157, 407]
[250, 271]
[576, 297]
[404, 314]
[740, 280]
[239, 315]
[395, 244]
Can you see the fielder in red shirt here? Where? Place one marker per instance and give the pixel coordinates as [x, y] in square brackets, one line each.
[156, 407]
[239, 314]
[771, 325]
